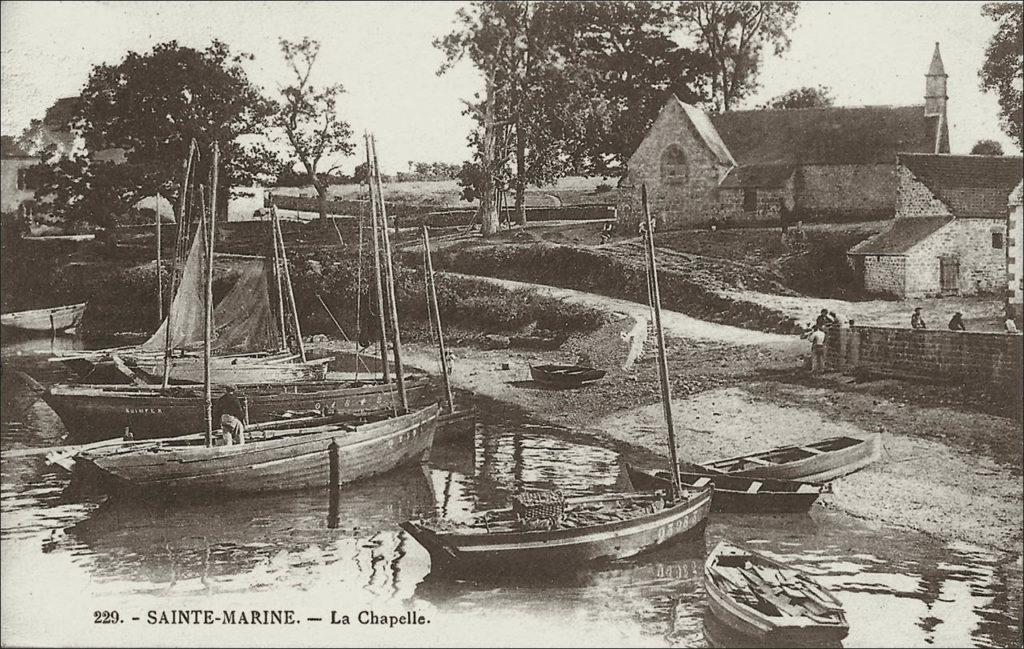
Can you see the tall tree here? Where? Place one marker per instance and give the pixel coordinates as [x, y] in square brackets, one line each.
[805, 97]
[735, 36]
[152, 105]
[987, 147]
[309, 118]
[1003, 70]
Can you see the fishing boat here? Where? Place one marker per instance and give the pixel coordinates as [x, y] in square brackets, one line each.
[737, 493]
[94, 412]
[542, 530]
[818, 461]
[457, 425]
[54, 319]
[761, 598]
[240, 369]
[565, 376]
[277, 456]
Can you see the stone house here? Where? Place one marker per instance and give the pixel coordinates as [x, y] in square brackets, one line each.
[1015, 256]
[949, 236]
[823, 164]
[16, 194]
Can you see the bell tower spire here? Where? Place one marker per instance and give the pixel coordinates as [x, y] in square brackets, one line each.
[935, 86]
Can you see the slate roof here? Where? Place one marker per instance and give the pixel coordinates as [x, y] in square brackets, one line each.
[901, 236]
[826, 136]
[9, 148]
[757, 176]
[971, 186]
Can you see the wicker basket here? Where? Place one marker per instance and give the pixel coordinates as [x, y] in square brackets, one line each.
[538, 505]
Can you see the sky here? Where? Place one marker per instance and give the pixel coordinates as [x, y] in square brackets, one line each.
[868, 53]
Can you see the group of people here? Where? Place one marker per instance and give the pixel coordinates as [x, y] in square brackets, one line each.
[956, 323]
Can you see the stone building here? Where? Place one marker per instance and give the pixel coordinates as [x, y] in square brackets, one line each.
[949, 236]
[1015, 256]
[15, 194]
[823, 164]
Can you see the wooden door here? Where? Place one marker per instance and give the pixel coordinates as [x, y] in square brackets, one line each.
[949, 275]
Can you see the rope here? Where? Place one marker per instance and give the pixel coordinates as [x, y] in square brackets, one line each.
[342, 331]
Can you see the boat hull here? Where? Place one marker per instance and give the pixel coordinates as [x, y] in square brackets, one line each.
[564, 549]
[231, 371]
[737, 494]
[92, 413]
[59, 318]
[566, 376]
[800, 463]
[457, 426]
[276, 464]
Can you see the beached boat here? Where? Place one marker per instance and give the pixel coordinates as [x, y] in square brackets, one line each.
[93, 412]
[277, 456]
[737, 493]
[565, 376]
[53, 319]
[761, 598]
[459, 425]
[238, 369]
[818, 461]
[590, 528]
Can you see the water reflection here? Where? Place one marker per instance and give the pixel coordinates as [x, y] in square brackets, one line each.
[899, 588]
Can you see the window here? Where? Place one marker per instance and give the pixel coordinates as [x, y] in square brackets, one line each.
[673, 164]
[997, 239]
[749, 200]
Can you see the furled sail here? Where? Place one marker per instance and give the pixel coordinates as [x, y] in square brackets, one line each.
[187, 305]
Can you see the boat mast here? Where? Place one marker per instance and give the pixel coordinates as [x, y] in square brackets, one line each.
[666, 392]
[288, 282]
[208, 310]
[389, 271]
[182, 234]
[159, 268]
[378, 282]
[437, 319]
[277, 279]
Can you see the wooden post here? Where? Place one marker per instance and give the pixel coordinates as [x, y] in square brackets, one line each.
[378, 282]
[437, 321]
[389, 271]
[208, 307]
[334, 480]
[280, 290]
[666, 392]
[159, 267]
[334, 456]
[288, 282]
[182, 232]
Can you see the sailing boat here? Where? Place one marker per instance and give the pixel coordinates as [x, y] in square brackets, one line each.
[94, 411]
[543, 530]
[278, 456]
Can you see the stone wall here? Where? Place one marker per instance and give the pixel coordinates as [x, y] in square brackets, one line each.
[913, 198]
[982, 266]
[1015, 260]
[845, 192]
[993, 359]
[731, 209]
[885, 274]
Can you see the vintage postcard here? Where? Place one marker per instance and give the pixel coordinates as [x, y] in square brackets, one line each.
[520, 323]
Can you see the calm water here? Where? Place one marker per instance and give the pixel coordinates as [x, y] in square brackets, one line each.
[65, 559]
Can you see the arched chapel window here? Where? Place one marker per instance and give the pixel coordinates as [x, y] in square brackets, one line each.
[673, 164]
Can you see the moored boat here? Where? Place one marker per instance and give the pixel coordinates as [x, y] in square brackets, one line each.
[458, 425]
[226, 370]
[93, 412]
[566, 376]
[759, 597]
[737, 493]
[818, 461]
[588, 529]
[277, 456]
[53, 319]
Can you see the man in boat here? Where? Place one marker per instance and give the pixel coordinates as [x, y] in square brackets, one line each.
[228, 410]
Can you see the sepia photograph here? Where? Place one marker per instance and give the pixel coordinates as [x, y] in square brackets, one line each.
[511, 323]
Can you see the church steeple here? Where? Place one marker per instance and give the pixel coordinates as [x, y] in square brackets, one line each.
[935, 86]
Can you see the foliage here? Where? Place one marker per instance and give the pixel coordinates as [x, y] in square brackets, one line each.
[987, 147]
[805, 97]
[1003, 70]
[735, 35]
[309, 117]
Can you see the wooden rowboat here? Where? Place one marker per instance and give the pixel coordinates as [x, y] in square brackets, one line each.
[93, 412]
[565, 376]
[279, 456]
[819, 461]
[737, 493]
[764, 599]
[58, 318]
[592, 528]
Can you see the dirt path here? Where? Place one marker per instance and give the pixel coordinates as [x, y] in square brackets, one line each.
[675, 323]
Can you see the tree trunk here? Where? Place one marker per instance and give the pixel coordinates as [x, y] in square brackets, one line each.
[520, 172]
[321, 200]
[487, 212]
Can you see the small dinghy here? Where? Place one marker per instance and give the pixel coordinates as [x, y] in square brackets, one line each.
[565, 376]
[55, 319]
[819, 461]
[737, 493]
[767, 600]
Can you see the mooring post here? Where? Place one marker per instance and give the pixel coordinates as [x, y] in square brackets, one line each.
[334, 454]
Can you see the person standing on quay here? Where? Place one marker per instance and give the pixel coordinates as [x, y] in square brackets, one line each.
[916, 320]
[817, 338]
